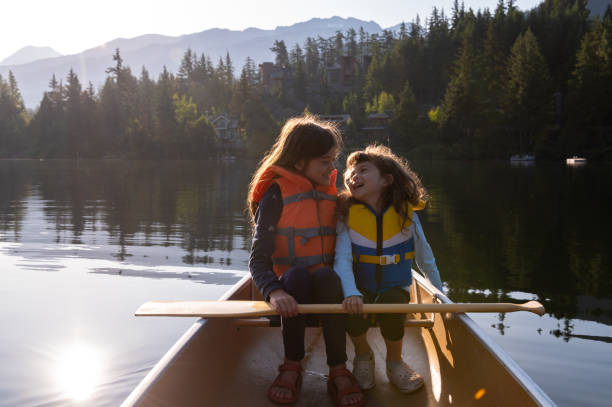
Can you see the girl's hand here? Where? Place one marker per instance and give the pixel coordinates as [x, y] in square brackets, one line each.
[353, 304]
[284, 303]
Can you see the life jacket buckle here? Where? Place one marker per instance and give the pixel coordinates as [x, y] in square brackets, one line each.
[387, 259]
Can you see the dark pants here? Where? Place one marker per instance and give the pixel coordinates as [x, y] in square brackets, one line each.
[319, 287]
[391, 325]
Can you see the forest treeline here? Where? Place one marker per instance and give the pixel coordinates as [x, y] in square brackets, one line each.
[471, 84]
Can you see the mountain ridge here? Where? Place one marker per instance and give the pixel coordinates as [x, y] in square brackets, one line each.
[154, 51]
[29, 54]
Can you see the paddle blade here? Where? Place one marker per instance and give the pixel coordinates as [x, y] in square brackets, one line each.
[205, 309]
[535, 307]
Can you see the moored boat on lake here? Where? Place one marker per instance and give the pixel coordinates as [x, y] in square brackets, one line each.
[523, 157]
[231, 362]
[575, 160]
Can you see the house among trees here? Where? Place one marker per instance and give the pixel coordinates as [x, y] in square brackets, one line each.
[377, 127]
[342, 76]
[271, 77]
[228, 132]
[340, 120]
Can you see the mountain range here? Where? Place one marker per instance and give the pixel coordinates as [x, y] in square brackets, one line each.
[156, 51]
[30, 54]
[34, 66]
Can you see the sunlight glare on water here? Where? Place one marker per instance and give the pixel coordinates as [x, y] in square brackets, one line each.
[79, 371]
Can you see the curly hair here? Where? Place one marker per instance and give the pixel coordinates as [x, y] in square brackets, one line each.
[406, 185]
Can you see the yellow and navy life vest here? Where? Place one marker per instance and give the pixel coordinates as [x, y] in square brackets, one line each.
[382, 249]
[306, 230]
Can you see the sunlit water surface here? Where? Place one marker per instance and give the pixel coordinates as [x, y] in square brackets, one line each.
[83, 244]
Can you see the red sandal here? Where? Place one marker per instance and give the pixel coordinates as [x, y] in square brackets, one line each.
[294, 387]
[338, 395]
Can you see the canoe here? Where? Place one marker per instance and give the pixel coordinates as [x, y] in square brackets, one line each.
[231, 362]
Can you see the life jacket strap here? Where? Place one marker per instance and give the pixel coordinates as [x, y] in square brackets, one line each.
[304, 261]
[384, 260]
[312, 194]
[306, 233]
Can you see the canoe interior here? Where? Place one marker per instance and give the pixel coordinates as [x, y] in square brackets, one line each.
[218, 363]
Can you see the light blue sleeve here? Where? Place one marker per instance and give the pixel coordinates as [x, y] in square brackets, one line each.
[343, 261]
[423, 255]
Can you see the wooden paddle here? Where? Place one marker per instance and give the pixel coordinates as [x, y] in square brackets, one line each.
[245, 309]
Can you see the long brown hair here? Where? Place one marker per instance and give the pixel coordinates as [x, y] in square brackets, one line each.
[406, 185]
[301, 138]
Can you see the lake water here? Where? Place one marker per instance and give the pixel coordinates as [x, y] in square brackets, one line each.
[84, 243]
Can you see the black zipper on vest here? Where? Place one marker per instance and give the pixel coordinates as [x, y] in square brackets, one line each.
[379, 249]
[319, 220]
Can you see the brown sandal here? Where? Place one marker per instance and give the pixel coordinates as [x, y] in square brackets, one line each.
[294, 387]
[353, 388]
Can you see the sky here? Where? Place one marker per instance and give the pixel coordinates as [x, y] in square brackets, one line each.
[72, 26]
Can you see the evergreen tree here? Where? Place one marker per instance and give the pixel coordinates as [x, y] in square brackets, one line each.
[76, 129]
[528, 93]
[338, 50]
[403, 32]
[461, 107]
[280, 50]
[187, 66]
[312, 59]
[259, 126]
[353, 105]
[242, 92]
[144, 122]
[591, 84]
[373, 81]
[13, 118]
[164, 107]
[251, 72]
[48, 128]
[299, 72]
[229, 70]
[352, 49]
[406, 112]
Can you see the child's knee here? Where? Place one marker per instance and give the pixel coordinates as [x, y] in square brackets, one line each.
[327, 285]
[326, 276]
[297, 279]
[395, 295]
[392, 329]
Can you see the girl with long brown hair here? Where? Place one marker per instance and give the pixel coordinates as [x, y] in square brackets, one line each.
[292, 200]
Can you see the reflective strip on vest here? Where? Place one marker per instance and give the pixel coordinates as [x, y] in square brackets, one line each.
[305, 234]
[384, 260]
[312, 194]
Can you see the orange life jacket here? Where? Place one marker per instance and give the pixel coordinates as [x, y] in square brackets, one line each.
[306, 230]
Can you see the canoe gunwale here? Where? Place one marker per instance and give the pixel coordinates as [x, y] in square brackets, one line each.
[175, 351]
[530, 386]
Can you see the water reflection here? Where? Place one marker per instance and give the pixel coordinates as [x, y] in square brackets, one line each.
[196, 206]
[540, 229]
[98, 238]
[80, 370]
[495, 228]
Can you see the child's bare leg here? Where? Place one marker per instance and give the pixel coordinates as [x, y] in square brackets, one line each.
[394, 350]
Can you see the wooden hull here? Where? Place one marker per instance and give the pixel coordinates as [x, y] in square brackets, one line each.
[222, 362]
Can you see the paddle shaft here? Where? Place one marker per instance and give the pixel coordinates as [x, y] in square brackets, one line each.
[239, 309]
